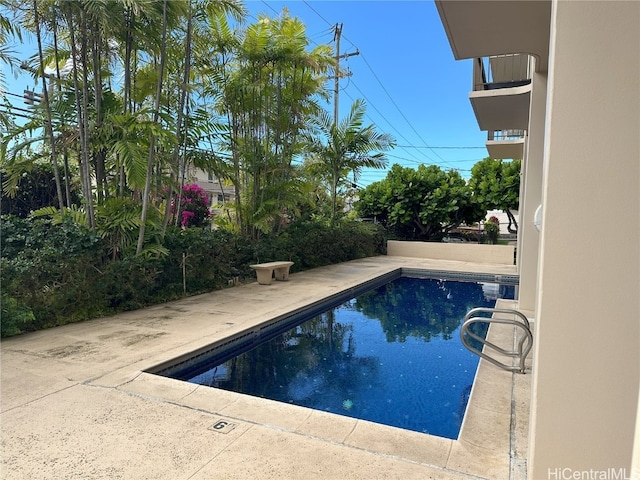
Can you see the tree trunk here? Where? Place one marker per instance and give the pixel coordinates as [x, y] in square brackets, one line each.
[512, 221]
[179, 120]
[47, 106]
[65, 154]
[85, 119]
[130, 18]
[334, 193]
[152, 142]
[100, 154]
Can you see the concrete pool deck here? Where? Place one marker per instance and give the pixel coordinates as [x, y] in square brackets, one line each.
[76, 401]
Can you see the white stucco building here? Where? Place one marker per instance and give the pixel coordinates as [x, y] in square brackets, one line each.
[219, 192]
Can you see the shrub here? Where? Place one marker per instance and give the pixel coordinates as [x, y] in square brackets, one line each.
[52, 270]
[194, 206]
[492, 229]
[128, 284]
[209, 259]
[311, 244]
[54, 274]
[14, 316]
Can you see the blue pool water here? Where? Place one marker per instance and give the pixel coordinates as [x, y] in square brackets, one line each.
[391, 355]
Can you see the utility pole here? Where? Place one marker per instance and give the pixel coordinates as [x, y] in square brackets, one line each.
[336, 88]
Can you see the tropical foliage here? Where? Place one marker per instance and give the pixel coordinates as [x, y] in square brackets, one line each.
[496, 184]
[268, 84]
[132, 96]
[345, 147]
[421, 204]
[57, 271]
[194, 209]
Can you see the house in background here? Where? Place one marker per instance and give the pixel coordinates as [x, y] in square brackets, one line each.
[559, 83]
[219, 193]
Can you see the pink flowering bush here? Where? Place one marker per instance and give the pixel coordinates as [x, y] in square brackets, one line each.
[194, 206]
[492, 230]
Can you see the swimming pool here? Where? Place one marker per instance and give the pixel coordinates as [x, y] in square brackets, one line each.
[390, 355]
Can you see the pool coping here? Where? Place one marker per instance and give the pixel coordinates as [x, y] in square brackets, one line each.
[479, 446]
[486, 447]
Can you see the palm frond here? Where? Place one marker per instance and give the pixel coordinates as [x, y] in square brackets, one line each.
[75, 214]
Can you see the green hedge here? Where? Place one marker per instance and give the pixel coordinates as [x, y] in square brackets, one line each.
[57, 274]
[208, 259]
[50, 271]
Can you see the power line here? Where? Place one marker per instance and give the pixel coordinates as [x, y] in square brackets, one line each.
[400, 111]
[385, 90]
[388, 95]
[273, 9]
[386, 120]
[325, 20]
[441, 148]
[418, 162]
[425, 158]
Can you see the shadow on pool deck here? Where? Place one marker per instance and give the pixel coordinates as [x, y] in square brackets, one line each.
[76, 402]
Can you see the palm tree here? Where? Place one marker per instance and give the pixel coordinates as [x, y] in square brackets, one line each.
[270, 87]
[152, 143]
[47, 105]
[196, 36]
[335, 150]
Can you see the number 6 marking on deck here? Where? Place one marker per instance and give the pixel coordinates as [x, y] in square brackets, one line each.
[223, 426]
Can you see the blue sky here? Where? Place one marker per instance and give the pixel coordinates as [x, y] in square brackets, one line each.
[406, 73]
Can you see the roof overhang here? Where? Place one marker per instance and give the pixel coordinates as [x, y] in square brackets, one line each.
[481, 28]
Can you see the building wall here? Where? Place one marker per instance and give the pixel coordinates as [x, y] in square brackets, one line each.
[587, 356]
[635, 464]
[218, 193]
[531, 194]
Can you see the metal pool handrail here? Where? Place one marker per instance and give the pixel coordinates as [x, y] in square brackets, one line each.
[522, 348]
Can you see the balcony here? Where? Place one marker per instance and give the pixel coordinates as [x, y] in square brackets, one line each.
[506, 144]
[501, 92]
[481, 28]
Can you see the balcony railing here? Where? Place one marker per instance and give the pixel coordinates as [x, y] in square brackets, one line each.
[505, 135]
[501, 71]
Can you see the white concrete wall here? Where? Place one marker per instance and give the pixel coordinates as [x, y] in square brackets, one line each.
[473, 252]
[587, 357]
[531, 194]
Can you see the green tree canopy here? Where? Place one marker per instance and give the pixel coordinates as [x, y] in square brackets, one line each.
[424, 203]
[34, 189]
[496, 184]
